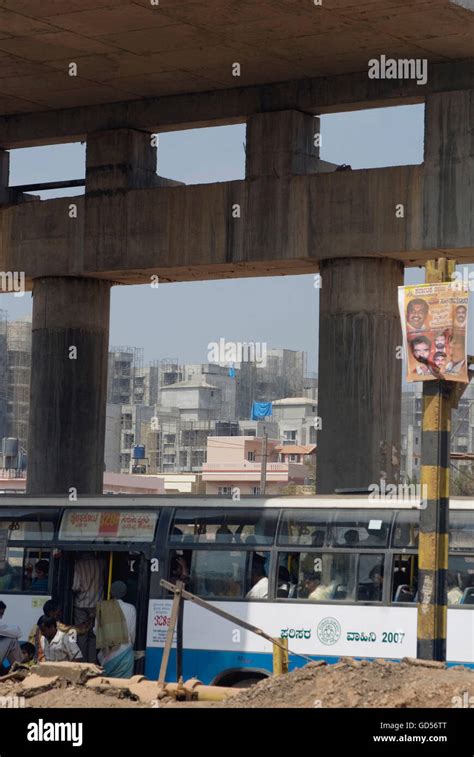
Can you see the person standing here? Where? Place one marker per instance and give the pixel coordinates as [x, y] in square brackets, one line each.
[56, 645]
[115, 627]
[88, 589]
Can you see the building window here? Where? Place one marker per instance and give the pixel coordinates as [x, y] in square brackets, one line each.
[251, 456]
[223, 491]
[256, 491]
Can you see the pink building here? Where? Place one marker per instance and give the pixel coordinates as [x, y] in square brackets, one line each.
[114, 483]
[235, 461]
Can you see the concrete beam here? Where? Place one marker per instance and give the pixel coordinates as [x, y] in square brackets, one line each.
[285, 225]
[326, 94]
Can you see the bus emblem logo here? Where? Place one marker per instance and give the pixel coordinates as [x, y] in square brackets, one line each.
[329, 631]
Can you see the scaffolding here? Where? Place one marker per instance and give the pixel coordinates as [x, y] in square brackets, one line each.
[3, 372]
[18, 367]
[125, 381]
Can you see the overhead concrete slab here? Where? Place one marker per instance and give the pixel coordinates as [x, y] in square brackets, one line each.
[130, 49]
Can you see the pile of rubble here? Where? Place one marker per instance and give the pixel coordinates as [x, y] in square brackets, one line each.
[362, 683]
[74, 684]
[65, 684]
[349, 683]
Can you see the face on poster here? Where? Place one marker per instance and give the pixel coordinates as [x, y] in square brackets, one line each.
[434, 325]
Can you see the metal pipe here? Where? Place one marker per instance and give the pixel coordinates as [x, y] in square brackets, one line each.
[43, 185]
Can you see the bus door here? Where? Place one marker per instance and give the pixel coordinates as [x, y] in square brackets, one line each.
[118, 564]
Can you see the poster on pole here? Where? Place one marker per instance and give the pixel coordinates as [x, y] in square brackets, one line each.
[434, 326]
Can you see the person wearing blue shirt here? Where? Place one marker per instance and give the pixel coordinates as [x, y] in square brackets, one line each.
[40, 581]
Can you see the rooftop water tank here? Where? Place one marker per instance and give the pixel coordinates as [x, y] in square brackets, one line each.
[138, 452]
[9, 446]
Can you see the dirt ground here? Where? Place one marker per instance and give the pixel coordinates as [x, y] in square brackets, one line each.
[347, 684]
[351, 683]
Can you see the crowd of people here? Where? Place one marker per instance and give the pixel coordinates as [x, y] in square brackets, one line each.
[103, 630]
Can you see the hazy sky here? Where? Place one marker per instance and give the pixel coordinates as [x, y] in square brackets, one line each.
[179, 320]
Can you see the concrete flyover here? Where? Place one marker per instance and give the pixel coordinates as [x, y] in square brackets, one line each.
[114, 72]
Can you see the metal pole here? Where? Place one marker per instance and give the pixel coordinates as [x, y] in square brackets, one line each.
[434, 518]
[179, 642]
[280, 657]
[170, 634]
[263, 464]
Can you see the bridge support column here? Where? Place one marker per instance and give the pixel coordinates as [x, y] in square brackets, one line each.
[68, 385]
[359, 385]
[68, 393]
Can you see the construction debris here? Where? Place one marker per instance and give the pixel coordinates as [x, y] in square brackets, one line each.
[348, 683]
[362, 683]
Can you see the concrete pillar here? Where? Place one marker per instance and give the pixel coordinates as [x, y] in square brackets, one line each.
[5, 193]
[120, 160]
[68, 391]
[449, 172]
[71, 334]
[359, 385]
[281, 144]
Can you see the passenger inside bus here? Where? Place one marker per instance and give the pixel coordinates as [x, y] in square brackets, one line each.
[405, 578]
[311, 582]
[88, 588]
[40, 580]
[179, 569]
[259, 580]
[376, 589]
[284, 586]
[455, 593]
[7, 576]
[351, 538]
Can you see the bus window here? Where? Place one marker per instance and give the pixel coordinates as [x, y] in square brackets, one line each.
[461, 530]
[371, 577]
[28, 529]
[361, 529]
[304, 527]
[225, 574]
[407, 528]
[404, 578]
[315, 576]
[25, 570]
[230, 527]
[460, 580]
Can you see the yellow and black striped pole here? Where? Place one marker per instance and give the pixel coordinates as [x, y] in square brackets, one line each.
[434, 515]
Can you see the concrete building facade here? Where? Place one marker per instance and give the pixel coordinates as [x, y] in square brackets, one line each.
[297, 420]
[236, 463]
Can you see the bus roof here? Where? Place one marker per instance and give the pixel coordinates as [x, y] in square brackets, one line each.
[335, 501]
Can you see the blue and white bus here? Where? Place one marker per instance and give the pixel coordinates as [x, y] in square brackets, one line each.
[336, 575]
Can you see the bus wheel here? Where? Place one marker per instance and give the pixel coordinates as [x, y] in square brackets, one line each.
[245, 683]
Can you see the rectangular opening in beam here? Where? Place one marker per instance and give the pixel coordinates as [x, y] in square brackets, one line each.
[374, 138]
